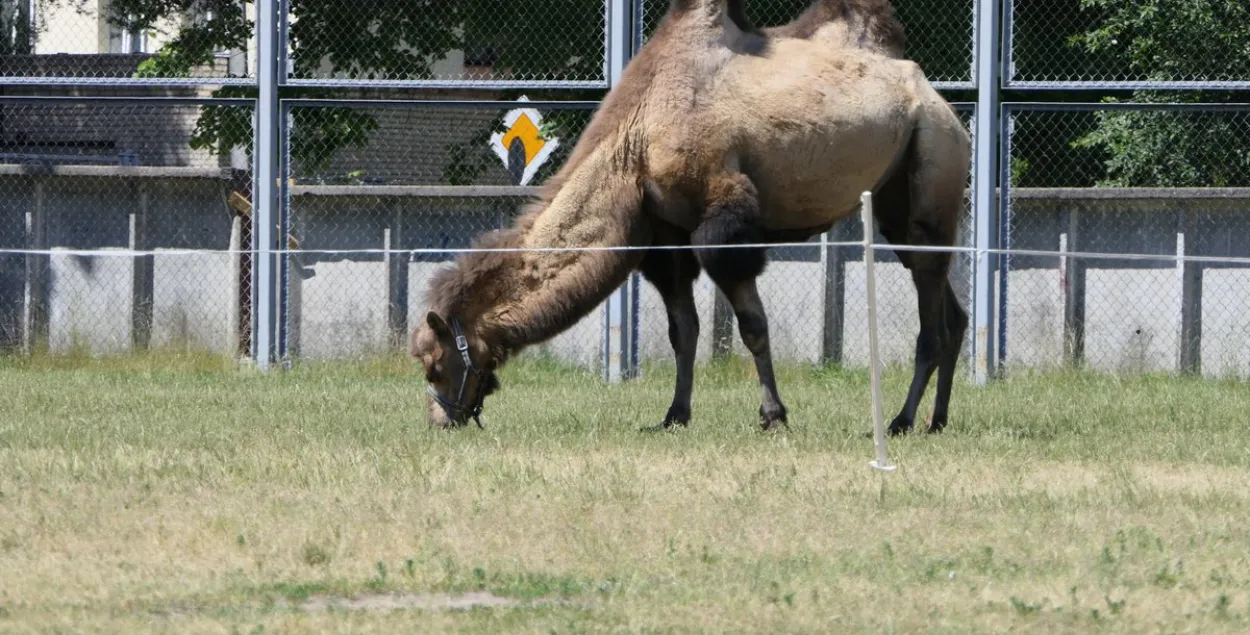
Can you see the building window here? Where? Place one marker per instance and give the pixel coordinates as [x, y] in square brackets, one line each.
[479, 54]
[126, 41]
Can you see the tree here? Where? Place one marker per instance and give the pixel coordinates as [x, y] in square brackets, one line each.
[402, 39]
[381, 39]
[16, 29]
[1169, 40]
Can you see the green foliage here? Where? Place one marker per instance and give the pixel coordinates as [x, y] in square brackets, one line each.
[1172, 40]
[384, 40]
[16, 35]
[1043, 46]
[468, 161]
[1171, 148]
[1151, 39]
[195, 43]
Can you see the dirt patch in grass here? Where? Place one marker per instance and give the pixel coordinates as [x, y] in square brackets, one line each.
[385, 602]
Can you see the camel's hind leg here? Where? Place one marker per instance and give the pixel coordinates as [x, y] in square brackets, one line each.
[673, 273]
[733, 218]
[920, 205]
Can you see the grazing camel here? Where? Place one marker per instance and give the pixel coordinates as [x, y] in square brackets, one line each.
[719, 133]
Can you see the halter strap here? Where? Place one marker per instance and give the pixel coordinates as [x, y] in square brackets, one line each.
[452, 408]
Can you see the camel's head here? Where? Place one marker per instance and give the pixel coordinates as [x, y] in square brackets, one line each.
[458, 367]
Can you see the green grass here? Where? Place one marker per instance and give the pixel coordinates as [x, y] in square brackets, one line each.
[175, 494]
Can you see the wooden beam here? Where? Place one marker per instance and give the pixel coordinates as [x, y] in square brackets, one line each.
[397, 279]
[243, 206]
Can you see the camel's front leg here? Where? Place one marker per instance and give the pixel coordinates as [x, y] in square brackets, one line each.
[673, 274]
[733, 218]
[753, 327]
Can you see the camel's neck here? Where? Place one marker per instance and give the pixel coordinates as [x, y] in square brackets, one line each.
[535, 295]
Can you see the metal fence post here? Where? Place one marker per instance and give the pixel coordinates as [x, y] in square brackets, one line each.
[267, 204]
[621, 324]
[985, 174]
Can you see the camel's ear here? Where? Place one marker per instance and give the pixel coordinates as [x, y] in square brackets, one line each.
[437, 323]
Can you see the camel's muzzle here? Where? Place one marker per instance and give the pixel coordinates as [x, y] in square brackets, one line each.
[456, 412]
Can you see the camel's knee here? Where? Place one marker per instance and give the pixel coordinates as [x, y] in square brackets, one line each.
[752, 319]
[956, 324]
[732, 218]
[956, 317]
[754, 336]
[683, 327]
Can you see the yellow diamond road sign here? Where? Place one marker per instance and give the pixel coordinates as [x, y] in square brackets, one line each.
[522, 148]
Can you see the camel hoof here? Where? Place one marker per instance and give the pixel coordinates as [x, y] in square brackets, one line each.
[668, 424]
[663, 427]
[774, 425]
[448, 425]
[900, 425]
[770, 421]
[937, 425]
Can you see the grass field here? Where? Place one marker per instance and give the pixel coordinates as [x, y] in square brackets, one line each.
[171, 495]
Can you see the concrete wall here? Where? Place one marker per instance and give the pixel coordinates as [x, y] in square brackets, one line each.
[1132, 314]
[91, 133]
[90, 299]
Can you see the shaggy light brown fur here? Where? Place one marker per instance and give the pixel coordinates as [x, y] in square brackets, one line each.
[788, 125]
[865, 24]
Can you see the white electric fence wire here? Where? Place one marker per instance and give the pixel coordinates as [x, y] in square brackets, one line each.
[131, 253]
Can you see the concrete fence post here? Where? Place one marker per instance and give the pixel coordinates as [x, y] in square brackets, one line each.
[38, 268]
[834, 260]
[143, 280]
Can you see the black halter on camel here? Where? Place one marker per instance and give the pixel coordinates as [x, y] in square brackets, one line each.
[454, 409]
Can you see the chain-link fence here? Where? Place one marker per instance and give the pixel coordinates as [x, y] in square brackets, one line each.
[1127, 181]
[100, 203]
[419, 176]
[1089, 43]
[378, 187]
[557, 42]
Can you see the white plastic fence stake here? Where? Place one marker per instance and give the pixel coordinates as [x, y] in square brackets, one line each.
[874, 360]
